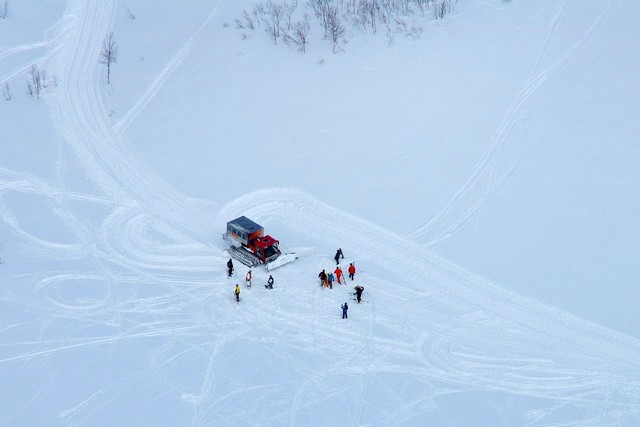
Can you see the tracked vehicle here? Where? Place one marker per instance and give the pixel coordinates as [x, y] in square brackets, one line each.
[250, 246]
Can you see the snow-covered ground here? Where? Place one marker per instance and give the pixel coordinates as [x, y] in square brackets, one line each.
[482, 177]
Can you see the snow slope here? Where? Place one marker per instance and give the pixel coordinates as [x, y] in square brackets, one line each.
[115, 305]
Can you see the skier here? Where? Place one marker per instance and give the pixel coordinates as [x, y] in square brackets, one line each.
[339, 255]
[230, 267]
[359, 290]
[330, 280]
[345, 307]
[352, 270]
[338, 272]
[323, 278]
[269, 284]
[248, 279]
[237, 293]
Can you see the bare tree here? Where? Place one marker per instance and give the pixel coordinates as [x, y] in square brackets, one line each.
[299, 35]
[289, 8]
[274, 18]
[423, 5]
[320, 8]
[369, 11]
[36, 82]
[109, 53]
[334, 26]
[442, 7]
[6, 92]
[4, 10]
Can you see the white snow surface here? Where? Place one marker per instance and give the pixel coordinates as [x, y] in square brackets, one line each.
[483, 179]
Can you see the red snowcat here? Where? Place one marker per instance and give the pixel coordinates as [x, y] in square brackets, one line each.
[251, 247]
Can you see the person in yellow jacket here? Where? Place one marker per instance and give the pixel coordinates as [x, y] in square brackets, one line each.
[237, 293]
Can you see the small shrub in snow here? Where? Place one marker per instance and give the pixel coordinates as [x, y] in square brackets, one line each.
[299, 34]
[130, 14]
[248, 20]
[338, 17]
[36, 81]
[415, 32]
[6, 92]
[4, 10]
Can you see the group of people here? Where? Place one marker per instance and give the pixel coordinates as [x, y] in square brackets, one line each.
[326, 280]
[248, 278]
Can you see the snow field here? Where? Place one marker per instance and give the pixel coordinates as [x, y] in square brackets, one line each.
[116, 308]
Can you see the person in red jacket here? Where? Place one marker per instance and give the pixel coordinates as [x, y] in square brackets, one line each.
[352, 270]
[338, 273]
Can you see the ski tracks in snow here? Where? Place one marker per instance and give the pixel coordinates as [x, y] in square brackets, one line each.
[160, 80]
[444, 224]
[132, 246]
[474, 336]
[477, 336]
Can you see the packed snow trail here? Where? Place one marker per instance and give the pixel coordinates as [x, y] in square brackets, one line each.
[79, 114]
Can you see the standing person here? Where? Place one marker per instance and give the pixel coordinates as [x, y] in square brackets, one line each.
[338, 272]
[248, 279]
[339, 255]
[330, 280]
[269, 284]
[345, 307]
[323, 278]
[237, 293]
[352, 270]
[230, 267]
[359, 290]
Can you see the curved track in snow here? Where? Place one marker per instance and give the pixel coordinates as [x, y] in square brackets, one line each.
[444, 224]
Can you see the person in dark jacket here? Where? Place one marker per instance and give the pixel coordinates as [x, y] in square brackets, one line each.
[230, 267]
[345, 307]
[269, 284]
[323, 278]
[339, 255]
[359, 290]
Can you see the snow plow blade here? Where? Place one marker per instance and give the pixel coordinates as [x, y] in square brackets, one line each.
[281, 260]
